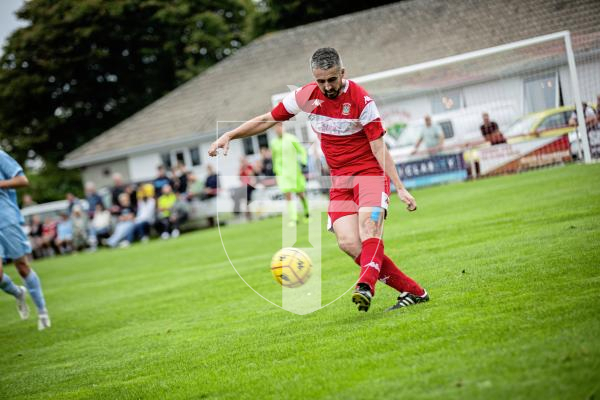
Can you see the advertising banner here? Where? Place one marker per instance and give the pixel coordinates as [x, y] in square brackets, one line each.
[432, 170]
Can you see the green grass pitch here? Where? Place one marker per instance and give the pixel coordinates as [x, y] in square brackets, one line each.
[512, 265]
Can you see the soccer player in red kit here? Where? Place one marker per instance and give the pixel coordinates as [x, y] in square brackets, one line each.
[347, 122]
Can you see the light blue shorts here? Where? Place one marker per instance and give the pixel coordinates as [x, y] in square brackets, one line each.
[13, 242]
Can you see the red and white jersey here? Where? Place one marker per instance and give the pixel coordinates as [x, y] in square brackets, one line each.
[345, 125]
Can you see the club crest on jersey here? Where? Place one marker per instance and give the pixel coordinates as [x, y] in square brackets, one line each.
[346, 108]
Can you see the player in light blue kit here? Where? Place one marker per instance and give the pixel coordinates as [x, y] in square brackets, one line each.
[14, 244]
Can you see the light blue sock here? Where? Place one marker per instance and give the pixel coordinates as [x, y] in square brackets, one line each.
[8, 286]
[35, 290]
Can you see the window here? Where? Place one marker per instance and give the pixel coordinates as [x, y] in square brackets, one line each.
[179, 157]
[248, 146]
[195, 156]
[166, 160]
[447, 101]
[263, 140]
[541, 93]
[447, 129]
[553, 122]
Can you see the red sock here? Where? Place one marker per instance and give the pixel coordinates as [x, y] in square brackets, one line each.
[391, 275]
[371, 258]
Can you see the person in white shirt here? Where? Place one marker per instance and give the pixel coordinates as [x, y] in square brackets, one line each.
[432, 135]
[589, 115]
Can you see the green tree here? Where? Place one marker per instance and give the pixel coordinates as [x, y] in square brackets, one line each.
[275, 15]
[82, 66]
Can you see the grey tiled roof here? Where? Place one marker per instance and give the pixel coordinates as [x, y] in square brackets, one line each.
[378, 39]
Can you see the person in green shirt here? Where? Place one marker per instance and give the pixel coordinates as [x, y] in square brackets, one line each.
[288, 155]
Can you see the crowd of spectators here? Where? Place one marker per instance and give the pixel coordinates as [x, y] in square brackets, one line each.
[131, 212]
[251, 175]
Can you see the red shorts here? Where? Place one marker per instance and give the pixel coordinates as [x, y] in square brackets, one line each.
[349, 193]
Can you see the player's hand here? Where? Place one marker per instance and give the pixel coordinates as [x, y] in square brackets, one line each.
[406, 198]
[221, 143]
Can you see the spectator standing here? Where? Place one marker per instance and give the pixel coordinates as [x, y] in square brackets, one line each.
[432, 135]
[490, 131]
[92, 197]
[248, 182]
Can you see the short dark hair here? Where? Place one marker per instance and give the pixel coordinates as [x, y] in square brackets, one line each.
[325, 58]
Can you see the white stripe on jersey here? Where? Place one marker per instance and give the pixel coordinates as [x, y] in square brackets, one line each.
[334, 126]
[290, 103]
[369, 113]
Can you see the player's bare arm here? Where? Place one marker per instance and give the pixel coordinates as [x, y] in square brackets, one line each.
[386, 162]
[249, 128]
[14, 183]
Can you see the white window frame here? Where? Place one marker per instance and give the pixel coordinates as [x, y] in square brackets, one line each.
[187, 157]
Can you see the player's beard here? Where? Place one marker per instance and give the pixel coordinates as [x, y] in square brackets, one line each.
[332, 94]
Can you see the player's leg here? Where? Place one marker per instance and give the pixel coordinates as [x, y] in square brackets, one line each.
[372, 254]
[34, 287]
[300, 190]
[304, 201]
[392, 276]
[291, 208]
[348, 238]
[19, 293]
[346, 233]
[6, 284]
[370, 230]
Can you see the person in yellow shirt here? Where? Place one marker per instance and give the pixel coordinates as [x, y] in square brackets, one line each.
[165, 205]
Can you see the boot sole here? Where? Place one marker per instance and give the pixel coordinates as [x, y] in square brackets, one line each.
[362, 301]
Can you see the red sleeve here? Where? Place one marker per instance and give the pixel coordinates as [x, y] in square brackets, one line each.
[369, 114]
[374, 129]
[279, 113]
